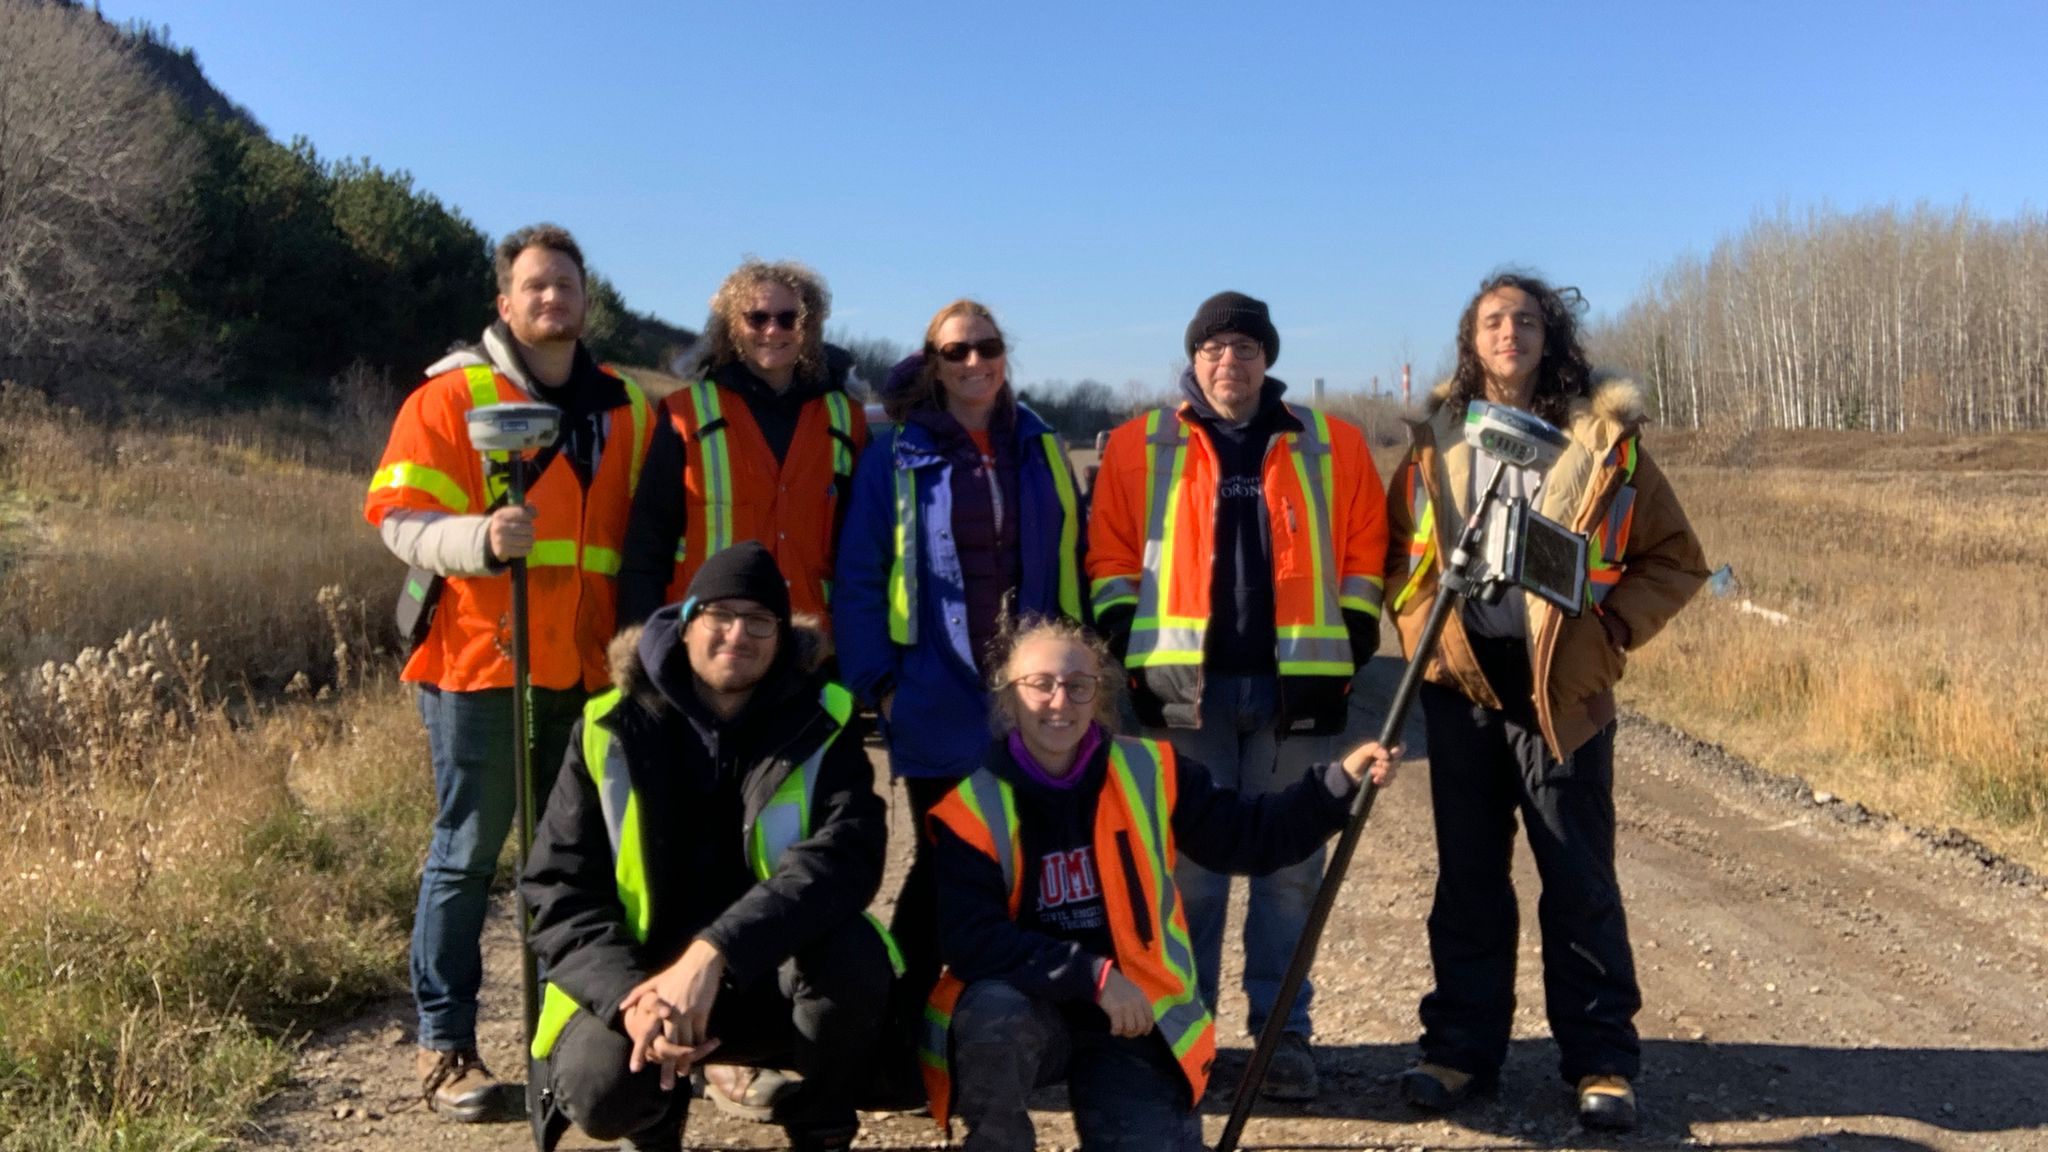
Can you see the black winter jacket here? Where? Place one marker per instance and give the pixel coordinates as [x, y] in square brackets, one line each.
[700, 782]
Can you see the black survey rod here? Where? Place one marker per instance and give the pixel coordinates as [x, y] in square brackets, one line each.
[1450, 587]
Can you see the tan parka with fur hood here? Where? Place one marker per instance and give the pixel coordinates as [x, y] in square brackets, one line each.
[1575, 667]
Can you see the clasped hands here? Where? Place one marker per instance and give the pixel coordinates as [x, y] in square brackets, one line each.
[668, 1015]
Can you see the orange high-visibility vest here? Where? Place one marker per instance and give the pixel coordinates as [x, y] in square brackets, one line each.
[1151, 541]
[1134, 852]
[736, 491]
[578, 537]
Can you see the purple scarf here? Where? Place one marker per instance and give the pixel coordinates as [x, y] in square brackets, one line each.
[1090, 741]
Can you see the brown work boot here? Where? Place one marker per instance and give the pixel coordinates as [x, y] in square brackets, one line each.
[1440, 1088]
[1607, 1102]
[456, 1084]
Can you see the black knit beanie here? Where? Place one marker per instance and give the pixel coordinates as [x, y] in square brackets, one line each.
[1234, 312]
[744, 571]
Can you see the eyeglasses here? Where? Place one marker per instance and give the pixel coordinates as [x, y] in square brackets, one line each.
[759, 319]
[957, 351]
[1080, 688]
[1214, 349]
[759, 625]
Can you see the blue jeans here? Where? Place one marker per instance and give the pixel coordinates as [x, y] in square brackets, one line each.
[1127, 1093]
[469, 735]
[1237, 746]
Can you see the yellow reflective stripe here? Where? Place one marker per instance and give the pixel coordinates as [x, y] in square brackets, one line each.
[555, 1010]
[1070, 525]
[1137, 768]
[636, 401]
[840, 414]
[1421, 537]
[603, 561]
[552, 554]
[1156, 637]
[717, 471]
[439, 485]
[1362, 594]
[483, 385]
[903, 566]
[483, 392]
[1111, 591]
[888, 942]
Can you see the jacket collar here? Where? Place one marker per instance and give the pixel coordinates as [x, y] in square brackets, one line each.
[588, 389]
[918, 445]
[1273, 414]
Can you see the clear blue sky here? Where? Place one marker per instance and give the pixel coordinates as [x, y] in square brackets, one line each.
[1093, 170]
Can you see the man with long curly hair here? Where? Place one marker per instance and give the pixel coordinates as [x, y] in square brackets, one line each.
[1519, 701]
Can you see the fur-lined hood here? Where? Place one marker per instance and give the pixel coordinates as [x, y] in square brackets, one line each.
[1614, 409]
[631, 676]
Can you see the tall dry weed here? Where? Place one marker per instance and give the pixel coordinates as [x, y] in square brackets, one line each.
[190, 871]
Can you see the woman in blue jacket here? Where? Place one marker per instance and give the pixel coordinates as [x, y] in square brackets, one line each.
[965, 510]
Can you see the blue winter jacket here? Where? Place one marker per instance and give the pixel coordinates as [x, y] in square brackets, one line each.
[940, 723]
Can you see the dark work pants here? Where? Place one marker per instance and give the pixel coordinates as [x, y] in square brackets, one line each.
[1127, 1093]
[1484, 767]
[819, 1015]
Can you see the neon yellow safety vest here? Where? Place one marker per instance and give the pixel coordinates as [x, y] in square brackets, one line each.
[781, 823]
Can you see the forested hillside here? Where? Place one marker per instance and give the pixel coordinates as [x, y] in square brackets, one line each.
[153, 237]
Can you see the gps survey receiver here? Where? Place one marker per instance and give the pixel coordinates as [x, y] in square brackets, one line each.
[1519, 546]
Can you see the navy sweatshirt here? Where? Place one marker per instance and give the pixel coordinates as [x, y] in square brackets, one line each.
[1241, 640]
[1053, 949]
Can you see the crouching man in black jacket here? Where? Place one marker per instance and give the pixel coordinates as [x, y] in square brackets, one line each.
[698, 881]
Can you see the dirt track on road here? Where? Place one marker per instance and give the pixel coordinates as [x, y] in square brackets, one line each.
[1814, 977]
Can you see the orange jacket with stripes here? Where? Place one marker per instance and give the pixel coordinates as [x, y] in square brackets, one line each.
[429, 464]
[1152, 542]
[1147, 923]
[736, 491]
[1643, 560]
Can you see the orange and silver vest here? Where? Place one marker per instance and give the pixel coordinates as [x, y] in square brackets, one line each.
[1171, 593]
[781, 823]
[736, 490]
[1134, 848]
[579, 535]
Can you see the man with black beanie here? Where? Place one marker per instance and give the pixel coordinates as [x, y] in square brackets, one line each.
[664, 936]
[1234, 548]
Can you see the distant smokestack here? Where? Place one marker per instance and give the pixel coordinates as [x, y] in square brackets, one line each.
[1404, 383]
[1317, 392]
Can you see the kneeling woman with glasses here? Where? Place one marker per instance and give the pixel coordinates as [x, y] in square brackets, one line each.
[963, 511]
[1066, 947]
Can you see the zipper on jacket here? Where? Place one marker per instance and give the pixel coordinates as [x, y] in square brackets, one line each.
[1141, 916]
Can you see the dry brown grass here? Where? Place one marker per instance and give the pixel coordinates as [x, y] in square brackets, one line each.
[1908, 679]
[190, 873]
[227, 527]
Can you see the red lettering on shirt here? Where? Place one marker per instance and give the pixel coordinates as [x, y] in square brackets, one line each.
[1067, 877]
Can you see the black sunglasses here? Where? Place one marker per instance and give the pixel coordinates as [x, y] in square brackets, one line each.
[957, 351]
[758, 320]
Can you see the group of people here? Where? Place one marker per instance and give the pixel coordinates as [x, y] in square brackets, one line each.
[1100, 704]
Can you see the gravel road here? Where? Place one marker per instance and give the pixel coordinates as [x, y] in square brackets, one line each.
[1814, 977]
